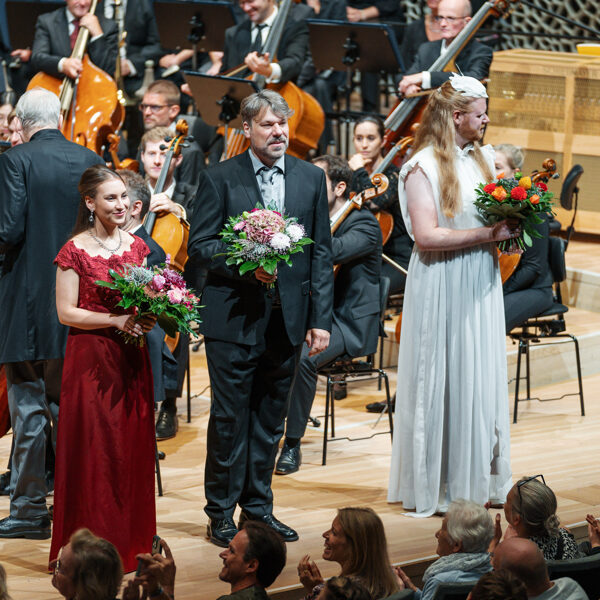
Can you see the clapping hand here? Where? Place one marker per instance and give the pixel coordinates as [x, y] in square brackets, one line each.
[309, 573]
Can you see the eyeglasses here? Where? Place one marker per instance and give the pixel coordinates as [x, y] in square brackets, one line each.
[450, 20]
[520, 484]
[153, 108]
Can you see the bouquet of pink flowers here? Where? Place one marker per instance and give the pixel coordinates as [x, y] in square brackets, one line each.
[514, 198]
[262, 238]
[159, 291]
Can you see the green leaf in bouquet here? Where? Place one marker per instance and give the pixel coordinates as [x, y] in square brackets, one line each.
[527, 238]
[248, 266]
[106, 284]
[167, 324]
[269, 265]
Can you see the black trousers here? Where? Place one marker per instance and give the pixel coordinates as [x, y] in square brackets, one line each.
[525, 304]
[250, 388]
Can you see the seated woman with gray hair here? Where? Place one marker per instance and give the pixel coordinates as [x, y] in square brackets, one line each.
[530, 511]
[463, 541]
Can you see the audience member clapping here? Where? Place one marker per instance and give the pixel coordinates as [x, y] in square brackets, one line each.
[463, 540]
[524, 559]
[87, 568]
[344, 588]
[3, 589]
[499, 585]
[155, 577]
[593, 533]
[530, 511]
[356, 541]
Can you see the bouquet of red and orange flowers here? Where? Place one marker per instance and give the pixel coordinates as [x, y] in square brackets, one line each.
[514, 198]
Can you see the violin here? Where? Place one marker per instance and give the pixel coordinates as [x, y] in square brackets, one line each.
[509, 262]
[89, 105]
[308, 119]
[129, 164]
[357, 201]
[410, 110]
[169, 231]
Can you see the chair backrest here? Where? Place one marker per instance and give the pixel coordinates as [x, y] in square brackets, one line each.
[556, 257]
[569, 187]
[585, 571]
[453, 591]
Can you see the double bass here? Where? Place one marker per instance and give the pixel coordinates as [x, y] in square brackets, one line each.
[89, 105]
[308, 121]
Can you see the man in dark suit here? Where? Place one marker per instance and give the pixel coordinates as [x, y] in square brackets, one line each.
[356, 247]
[38, 206]
[253, 334]
[243, 43]
[474, 60]
[55, 35]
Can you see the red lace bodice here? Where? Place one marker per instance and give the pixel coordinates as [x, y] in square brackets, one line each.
[93, 268]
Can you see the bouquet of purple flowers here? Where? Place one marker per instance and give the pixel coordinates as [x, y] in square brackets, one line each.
[158, 291]
[262, 238]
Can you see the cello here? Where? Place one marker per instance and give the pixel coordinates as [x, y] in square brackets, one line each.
[169, 231]
[308, 121]
[409, 110]
[89, 105]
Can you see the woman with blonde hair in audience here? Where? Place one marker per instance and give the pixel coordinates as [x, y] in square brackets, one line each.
[509, 159]
[87, 568]
[463, 541]
[357, 542]
[530, 511]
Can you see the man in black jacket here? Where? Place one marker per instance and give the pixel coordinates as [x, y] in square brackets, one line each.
[253, 334]
[244, 41]
[38, 205]
[474, 60]
[55, 35]
[356, 247]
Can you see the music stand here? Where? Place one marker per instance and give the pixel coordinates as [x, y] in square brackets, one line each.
[344, 46]
[181, 21]
[22, 16]
[218, 98]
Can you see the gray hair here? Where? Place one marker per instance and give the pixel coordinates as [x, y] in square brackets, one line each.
[470, 524]
[37, 109]
[536, 503]
[514, 155]
[253, 105]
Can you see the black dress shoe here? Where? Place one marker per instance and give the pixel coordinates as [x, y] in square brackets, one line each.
[31, 529]
[289, 460]
[378, 407]
[4, 484]
[166, 425]
[339, 391]
[221, 531]
[287, 533]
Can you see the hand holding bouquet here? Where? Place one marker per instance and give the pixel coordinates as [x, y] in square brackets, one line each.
[262, 238]
[158, 291]
[514, 198]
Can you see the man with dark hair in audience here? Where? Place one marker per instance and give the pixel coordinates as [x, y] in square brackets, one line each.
[160, 107]
[474, 59]
[253, 560]
[525, 560]
[356, 246]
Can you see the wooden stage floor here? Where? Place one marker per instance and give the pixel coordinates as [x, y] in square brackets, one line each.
[550, 438]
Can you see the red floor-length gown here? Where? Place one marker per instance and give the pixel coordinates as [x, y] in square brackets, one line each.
[105, 448]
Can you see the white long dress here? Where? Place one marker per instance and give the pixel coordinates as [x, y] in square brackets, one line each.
[451, 428]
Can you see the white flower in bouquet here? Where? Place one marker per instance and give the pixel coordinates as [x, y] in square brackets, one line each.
[295, 231]
[280, 241]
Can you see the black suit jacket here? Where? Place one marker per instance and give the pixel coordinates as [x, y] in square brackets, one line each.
[474, 61]
[238, 308]
[157, 255]
[38, 205]
[292, 51]
[51, 43]
[356, 247]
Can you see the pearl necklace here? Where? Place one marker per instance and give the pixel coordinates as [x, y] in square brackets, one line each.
[104, 246]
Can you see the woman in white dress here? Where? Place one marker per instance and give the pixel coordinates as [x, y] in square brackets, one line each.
[451, 435]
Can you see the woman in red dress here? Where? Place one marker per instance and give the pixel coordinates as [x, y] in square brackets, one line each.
[105, 448]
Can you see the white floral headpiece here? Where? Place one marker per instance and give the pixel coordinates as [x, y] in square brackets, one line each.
[469, 86]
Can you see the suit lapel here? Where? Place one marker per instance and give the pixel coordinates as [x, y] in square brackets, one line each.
[248, 180]
[293, 184]
[243, 41]
[62, 26]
